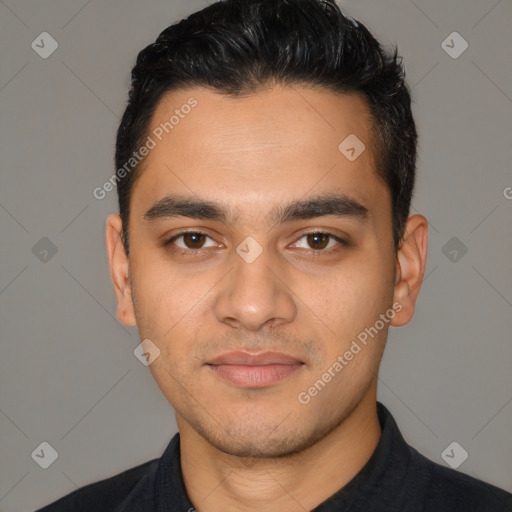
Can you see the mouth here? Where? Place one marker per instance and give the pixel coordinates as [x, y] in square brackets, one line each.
[254, 370]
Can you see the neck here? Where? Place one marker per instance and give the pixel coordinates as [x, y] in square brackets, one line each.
[216, 481]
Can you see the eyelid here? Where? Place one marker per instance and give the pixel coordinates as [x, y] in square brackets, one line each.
[341, 241]
[168, 241]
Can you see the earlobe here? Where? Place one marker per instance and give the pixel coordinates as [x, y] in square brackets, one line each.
[411, 262]
[119, 270]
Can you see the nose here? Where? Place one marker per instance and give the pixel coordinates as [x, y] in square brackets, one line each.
[255, 294]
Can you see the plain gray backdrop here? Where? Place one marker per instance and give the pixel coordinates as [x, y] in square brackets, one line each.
[68, 373]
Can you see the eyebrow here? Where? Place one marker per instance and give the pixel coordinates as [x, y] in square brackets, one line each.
[320, 206]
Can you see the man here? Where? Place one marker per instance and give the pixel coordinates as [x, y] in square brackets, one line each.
[265, 168]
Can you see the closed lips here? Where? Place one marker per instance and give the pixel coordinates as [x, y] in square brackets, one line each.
[247, 359]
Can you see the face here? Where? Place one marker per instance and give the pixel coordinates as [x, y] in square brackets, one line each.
[259, 255]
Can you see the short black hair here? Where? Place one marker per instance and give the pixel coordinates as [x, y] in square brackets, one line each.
[238, 47]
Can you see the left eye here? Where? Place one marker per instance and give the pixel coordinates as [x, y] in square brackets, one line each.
[319, 241]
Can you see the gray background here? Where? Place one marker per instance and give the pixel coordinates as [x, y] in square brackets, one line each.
[68, 375]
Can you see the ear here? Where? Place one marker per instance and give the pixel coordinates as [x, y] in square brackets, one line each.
[119, 270]
[411, 261]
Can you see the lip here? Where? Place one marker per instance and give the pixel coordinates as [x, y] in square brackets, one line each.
[262, 358]
[254, 370]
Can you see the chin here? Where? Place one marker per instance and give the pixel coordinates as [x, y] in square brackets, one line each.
[248, 448]
[263, 441]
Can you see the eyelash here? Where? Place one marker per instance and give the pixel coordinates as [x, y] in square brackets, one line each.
[189, 252]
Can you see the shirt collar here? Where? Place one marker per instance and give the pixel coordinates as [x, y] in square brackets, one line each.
[388, 461]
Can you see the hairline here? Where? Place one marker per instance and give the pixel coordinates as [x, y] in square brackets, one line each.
[376, 141]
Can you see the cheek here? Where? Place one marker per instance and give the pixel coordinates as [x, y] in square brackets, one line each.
[171, 309]
[163, 293]
[351, 298]
[176, 367]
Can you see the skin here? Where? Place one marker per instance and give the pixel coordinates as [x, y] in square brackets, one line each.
[262, 449]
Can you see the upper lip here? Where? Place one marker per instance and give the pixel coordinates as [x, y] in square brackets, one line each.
[262, 358]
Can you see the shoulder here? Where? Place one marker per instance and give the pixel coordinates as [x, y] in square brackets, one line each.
[111, 493]
[446, 489]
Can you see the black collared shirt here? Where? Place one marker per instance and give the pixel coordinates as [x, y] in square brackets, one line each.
[395, 478]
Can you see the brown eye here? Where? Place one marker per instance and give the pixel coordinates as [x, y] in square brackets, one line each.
[318, 240]
[190, 240]
[194, 240]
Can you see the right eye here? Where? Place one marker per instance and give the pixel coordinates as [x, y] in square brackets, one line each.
[189, 241]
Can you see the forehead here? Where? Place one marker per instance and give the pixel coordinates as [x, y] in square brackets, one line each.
[279, 143]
